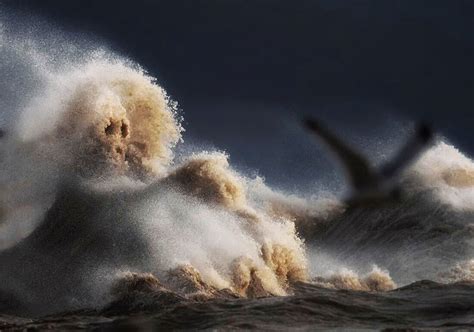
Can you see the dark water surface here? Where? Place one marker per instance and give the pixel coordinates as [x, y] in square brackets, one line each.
[422, 305]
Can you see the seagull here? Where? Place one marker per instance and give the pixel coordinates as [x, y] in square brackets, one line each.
[373, 185]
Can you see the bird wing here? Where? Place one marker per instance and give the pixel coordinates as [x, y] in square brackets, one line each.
[360, 173]
[420, 141]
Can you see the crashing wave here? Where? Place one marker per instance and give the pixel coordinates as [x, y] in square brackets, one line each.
[375, 281]
[91, 162]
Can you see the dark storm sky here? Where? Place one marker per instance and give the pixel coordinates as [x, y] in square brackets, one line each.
[245, 71]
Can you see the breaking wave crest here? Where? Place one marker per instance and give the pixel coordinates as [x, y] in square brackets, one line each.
[107, 118]
[375, 281]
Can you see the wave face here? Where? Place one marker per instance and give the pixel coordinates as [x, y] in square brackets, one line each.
[96, 213]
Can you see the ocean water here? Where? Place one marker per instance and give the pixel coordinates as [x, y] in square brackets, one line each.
[101, 226]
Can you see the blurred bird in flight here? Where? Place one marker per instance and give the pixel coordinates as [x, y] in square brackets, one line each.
[370, 185]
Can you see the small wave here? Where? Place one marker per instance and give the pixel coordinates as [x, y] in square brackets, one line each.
[375, 281]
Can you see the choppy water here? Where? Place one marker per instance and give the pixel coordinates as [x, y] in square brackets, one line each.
[423, 304]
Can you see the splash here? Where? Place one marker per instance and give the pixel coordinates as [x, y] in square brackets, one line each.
[375, 281]
[107, 196]
[110, 119]
[459, 177]
[461, 272]
[130, 282]
[193, 230]
[449, 173]
[208, 177]
[93, 116]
